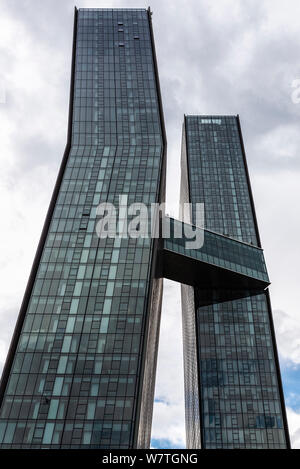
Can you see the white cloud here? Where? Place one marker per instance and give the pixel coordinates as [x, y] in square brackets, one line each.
[294, 427]
[168, 417]
[288, 337]
[169, 423]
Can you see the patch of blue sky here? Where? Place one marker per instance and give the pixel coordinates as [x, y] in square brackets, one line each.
[164, 443]
[290, 374]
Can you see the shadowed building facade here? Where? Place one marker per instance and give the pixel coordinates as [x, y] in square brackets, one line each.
[233, 389]
[77, 375]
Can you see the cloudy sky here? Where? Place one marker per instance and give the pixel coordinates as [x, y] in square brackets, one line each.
[224, 57]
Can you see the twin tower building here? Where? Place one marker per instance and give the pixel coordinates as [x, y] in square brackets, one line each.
[81, 367]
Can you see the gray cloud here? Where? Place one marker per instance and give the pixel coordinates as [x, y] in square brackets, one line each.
[7, 323]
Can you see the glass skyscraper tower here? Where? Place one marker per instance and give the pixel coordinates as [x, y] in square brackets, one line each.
[77, 374]
[233, 390]
[80, 371]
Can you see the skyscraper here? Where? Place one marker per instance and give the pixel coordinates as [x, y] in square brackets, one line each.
[76, 375]
[233, 388]
[80, 371]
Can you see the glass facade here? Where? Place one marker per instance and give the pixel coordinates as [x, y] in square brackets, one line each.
[238, 398]
[77, 373]
[218, 250]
